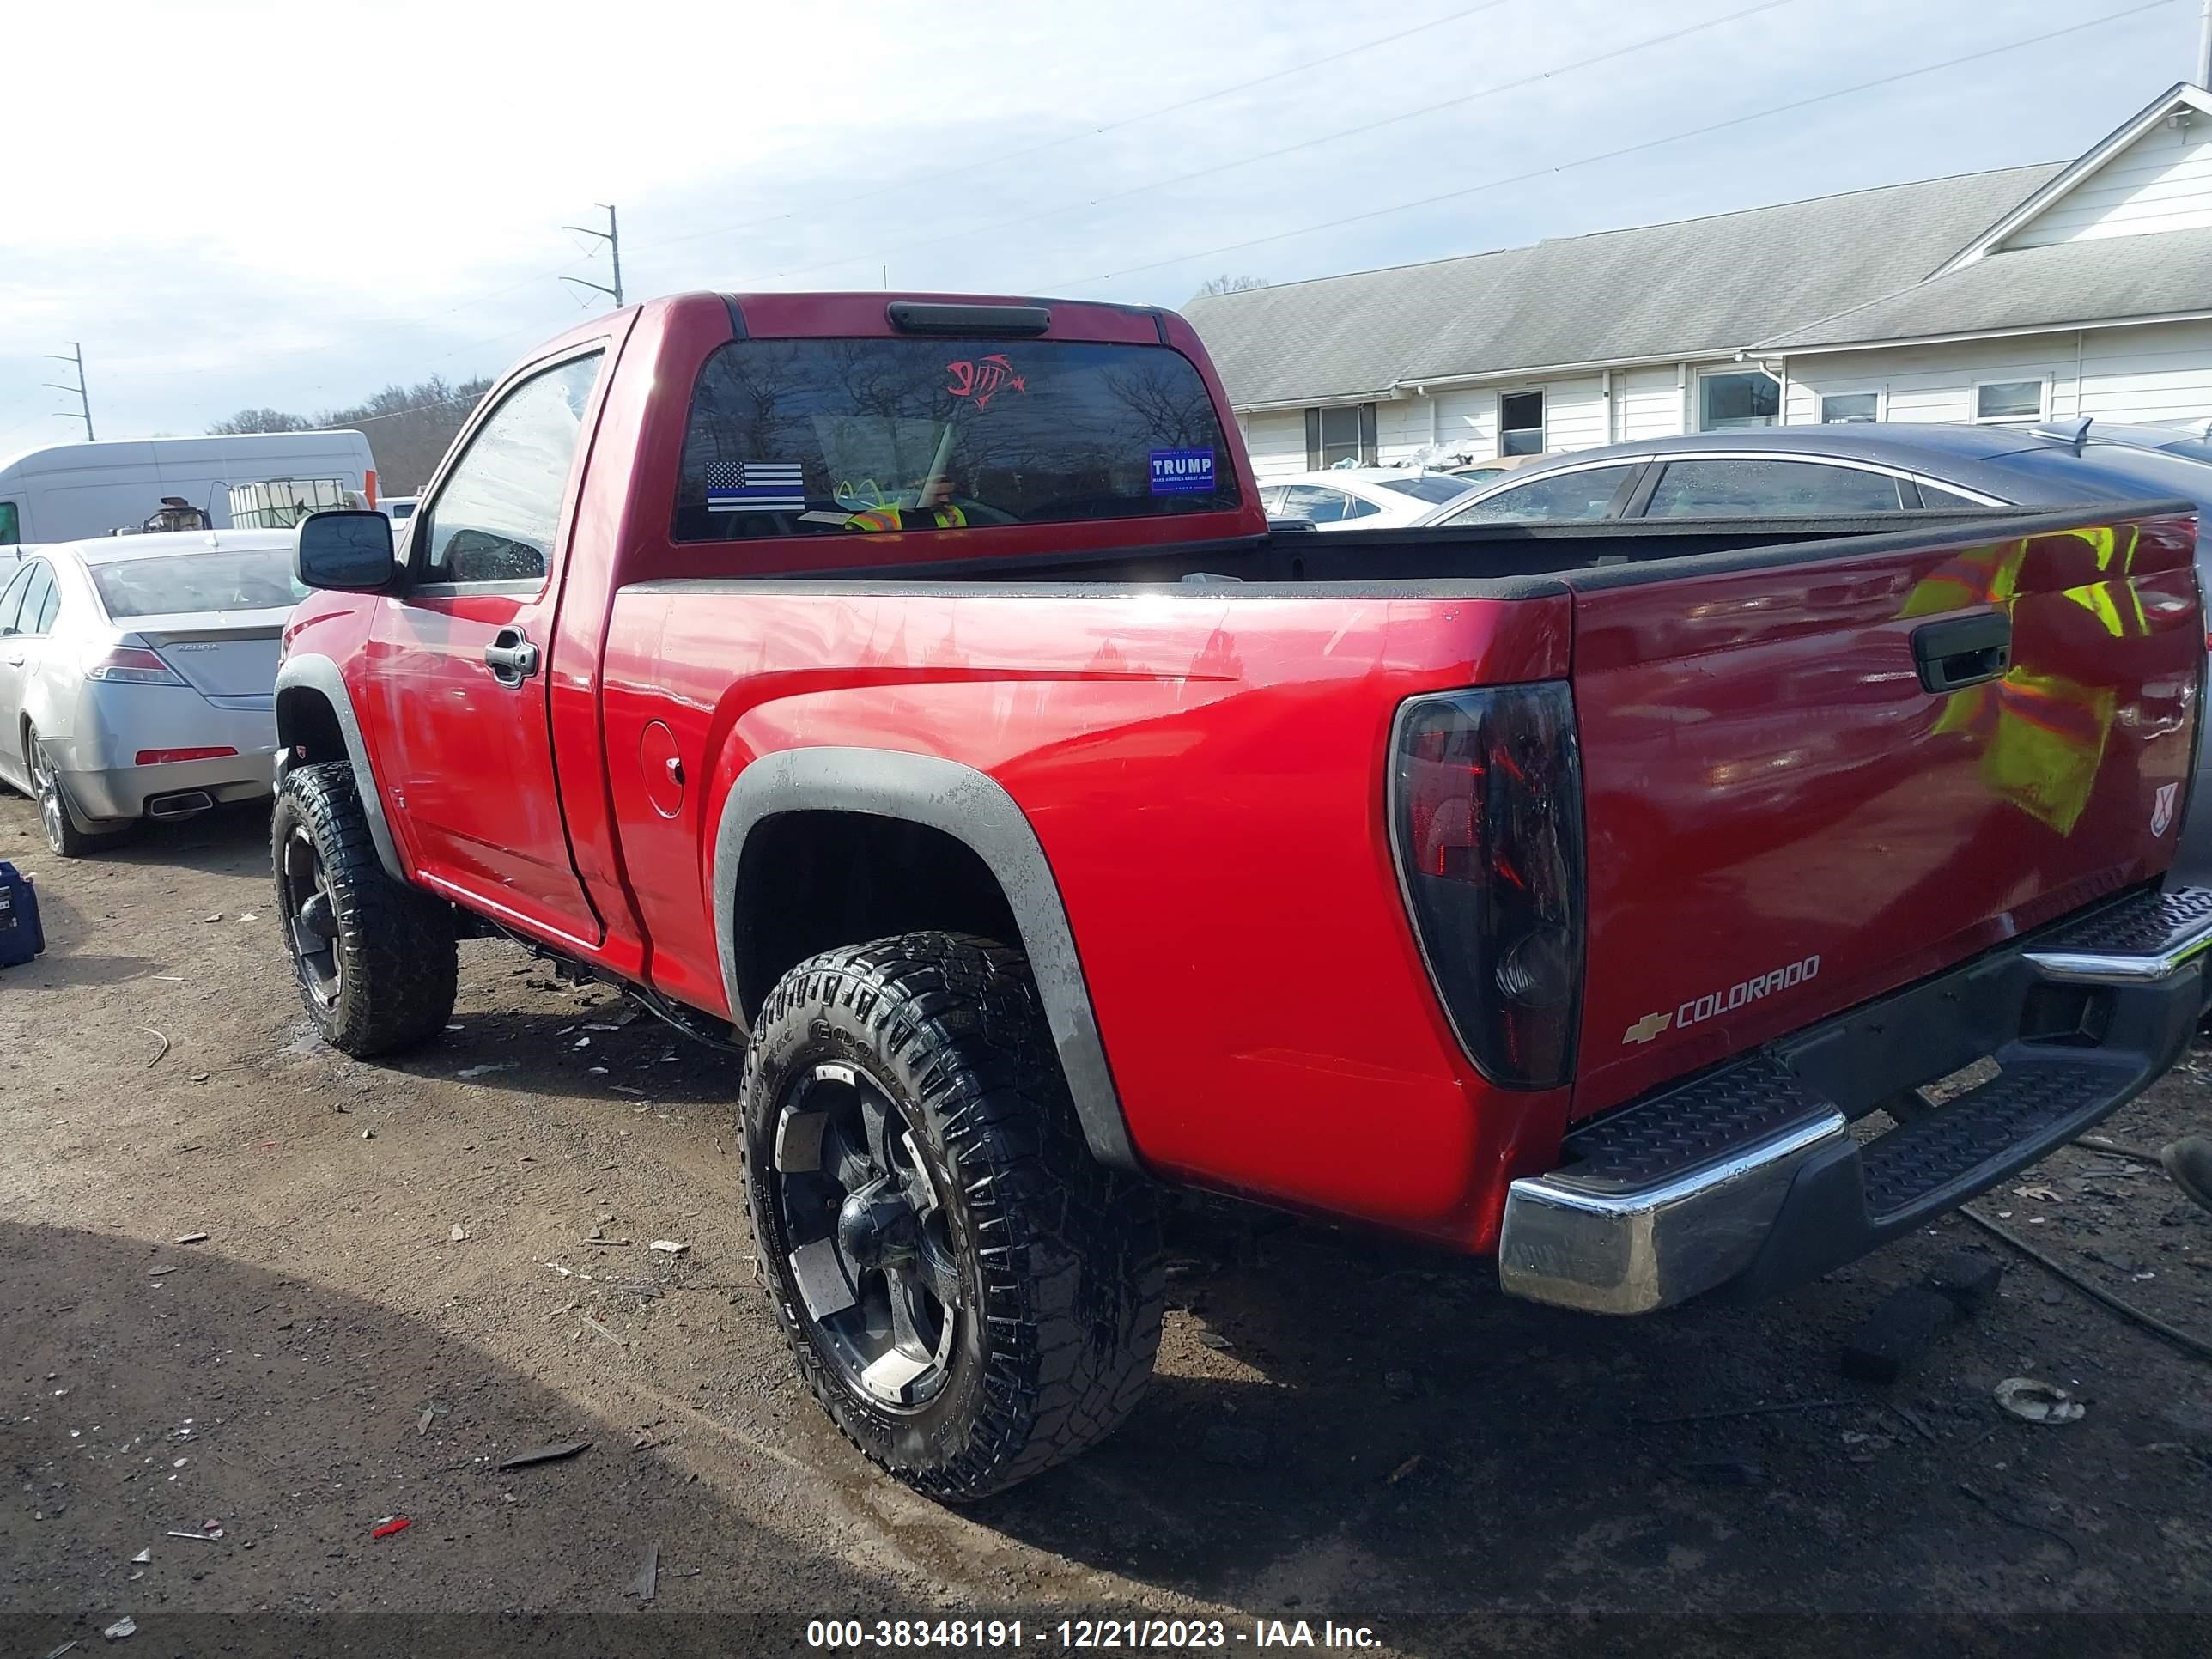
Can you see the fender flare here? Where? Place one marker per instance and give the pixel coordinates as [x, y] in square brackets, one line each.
[975, 810]
[321, 675]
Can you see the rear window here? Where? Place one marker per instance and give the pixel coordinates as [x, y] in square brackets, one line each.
[232, 578]
[830, 436]
[1431, 487]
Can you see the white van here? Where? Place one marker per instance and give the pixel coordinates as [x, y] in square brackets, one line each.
[70, 492]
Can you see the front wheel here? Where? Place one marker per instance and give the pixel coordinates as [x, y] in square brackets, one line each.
[970, 1295]
[375, 958]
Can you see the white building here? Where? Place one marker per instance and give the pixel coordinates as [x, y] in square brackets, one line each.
[2022, 294]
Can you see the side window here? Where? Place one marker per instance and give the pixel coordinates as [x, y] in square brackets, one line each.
[1716, 488]
[12, 598]
[1356, 509]
[1312, 502]
[1557, 497]
[49, 610]
[1271, 499]
[1934, 495]
[11, 524]
[495, 519]
[38, 597]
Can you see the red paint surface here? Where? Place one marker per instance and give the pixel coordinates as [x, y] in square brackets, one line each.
[1765, 778]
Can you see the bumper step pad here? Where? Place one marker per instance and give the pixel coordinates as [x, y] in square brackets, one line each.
[1707, 1118]
[2141, 939]
[1963, 1134]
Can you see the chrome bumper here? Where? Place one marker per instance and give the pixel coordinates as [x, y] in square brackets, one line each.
[1749, 1174]
[1639, 1250]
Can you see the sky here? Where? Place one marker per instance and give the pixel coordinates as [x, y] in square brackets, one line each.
[235, 205]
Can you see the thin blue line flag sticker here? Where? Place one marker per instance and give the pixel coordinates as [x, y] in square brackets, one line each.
[755, 487]
[1182, 472]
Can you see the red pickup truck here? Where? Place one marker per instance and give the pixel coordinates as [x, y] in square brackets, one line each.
[911, 691]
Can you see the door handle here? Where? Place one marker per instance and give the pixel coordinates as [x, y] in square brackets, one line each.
[512, 658]
[1964, 651]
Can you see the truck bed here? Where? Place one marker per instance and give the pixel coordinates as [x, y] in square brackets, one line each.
[1201, 736]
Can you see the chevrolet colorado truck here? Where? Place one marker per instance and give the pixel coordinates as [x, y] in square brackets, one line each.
[911, 692]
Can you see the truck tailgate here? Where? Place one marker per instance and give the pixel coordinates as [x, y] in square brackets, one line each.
[1810, 778]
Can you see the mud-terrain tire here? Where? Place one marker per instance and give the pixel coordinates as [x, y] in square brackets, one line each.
[375, 959]
[918, 1077]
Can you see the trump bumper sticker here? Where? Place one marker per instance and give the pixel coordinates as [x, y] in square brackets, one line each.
[1182, 472]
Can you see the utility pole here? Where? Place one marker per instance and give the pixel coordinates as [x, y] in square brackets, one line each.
[2204, 50]
[612, 237]
[84, 403]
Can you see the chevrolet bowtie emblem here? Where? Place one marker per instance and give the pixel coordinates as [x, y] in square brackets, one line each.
[1647, 1028]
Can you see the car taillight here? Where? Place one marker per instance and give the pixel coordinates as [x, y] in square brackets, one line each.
[1487, 816]
[134, 665]
[163, 756]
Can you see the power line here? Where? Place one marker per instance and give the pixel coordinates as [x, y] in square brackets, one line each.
[906, 184]
[612, 237]
[84, 401]
[1603, 155]
[1302, 144]
[419, 408]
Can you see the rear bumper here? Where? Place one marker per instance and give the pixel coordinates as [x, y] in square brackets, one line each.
[126, 791]
[1751, 1176]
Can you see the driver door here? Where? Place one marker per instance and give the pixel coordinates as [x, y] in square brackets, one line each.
[462, 656]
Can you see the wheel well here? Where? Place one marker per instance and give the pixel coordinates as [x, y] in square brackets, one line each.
[305, 719]
[809, 881]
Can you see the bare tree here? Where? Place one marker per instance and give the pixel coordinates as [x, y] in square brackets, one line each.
[258, 419]
[407, 427]
[1226, 283]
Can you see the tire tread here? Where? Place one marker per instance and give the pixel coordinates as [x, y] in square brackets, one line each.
[401, 965]
[1074, 1280]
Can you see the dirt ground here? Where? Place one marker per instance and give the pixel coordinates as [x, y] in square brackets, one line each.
[399, 1287]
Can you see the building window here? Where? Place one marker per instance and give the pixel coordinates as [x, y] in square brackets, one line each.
[1341, 435]
[1739, 397]
[1840, 408]
[2009, 400]
[1521, 423]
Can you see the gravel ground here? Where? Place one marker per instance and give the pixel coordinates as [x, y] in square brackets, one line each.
[1342, 1428]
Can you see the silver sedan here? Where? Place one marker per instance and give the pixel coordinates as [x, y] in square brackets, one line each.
[138, 674]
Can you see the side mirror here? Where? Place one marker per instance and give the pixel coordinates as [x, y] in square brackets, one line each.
[349, 551]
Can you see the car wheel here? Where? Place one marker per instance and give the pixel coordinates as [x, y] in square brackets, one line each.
[971, 1296]
[65, 840]
[375, 959]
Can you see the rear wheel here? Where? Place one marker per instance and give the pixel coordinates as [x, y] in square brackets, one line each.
[62, 837]
[375, 959]
[970, 1295]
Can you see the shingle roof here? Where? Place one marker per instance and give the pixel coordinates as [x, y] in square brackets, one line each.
[1694, 285]
[2064, 284]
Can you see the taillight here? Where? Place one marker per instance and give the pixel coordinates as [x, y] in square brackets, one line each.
[1485, 806]
[133, 665]
[164, 756]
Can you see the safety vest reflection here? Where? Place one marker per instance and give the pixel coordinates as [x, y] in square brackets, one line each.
[2042, 735]
[947, 517]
